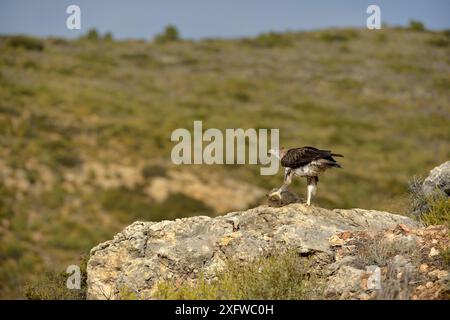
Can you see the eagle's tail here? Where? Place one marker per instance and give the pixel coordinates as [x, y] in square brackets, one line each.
[337, 155]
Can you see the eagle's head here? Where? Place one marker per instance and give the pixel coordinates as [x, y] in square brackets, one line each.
[279, 153]
[274, 152]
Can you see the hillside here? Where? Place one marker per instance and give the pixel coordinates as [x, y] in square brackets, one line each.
[85, 129]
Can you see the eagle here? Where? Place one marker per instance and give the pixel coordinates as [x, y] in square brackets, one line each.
[306, 162]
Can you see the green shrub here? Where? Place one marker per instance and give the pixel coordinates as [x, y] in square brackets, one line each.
[439, 211]
[6, 202]
[127, 294]
[69, 160]
[178, 205]
[446, 256]
[26, 42]
[269, 40]
[431, 209]
[63, 153]
[280, 276]
[170, 34]
[12, 249]
[415, 25]
[53, 198]
[130, 205]
[338, 35]
[439, 41]
[381, 37]
[108, 36]
[92, 34]
[153, 170]
[52, 286]
[58, 41]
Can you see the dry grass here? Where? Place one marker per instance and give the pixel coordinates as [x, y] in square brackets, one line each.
[281, 276]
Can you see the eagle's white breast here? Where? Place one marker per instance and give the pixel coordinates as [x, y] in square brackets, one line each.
[313, 168]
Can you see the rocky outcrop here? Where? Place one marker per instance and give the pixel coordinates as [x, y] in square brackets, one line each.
[145, 253]
[398, 263]
[438, 180]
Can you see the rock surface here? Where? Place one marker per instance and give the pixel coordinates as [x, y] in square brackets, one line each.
[147, 252]
[438, 179]
[390, 264]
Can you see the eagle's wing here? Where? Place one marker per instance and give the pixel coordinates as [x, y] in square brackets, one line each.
[298, 157]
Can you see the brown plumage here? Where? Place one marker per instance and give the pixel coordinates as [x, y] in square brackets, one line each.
[306, 162]
[298, 157]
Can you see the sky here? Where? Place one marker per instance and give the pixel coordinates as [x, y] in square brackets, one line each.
[196, 19]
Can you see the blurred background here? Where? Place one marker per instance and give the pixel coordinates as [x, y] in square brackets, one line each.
[86, 115]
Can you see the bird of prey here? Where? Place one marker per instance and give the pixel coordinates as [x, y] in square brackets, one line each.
[306, 162]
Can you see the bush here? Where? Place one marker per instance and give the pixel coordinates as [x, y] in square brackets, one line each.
[280, 276]
[446, 256]
[63, 153]
[170, 34]
[108, 36]
[6, 202]
[52, 286]
[92, 34]
[338, 35]
[415, 25]
[439, 211]
[150, 171]
[178, 205]
[439, 41]
[25, 42]
[130, 205]
[269, 40]
[431, 209]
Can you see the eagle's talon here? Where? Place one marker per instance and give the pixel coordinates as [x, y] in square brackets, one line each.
[275, 196]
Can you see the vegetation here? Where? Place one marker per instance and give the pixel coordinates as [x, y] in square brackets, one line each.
[446, 256]
[380, 252]
[52, 286]
[431, 209]
[25, 42]
[108, 36]
[415, 25]
[170, 34]
[92, 34]
[150, 171]
[281, 276]
[84, 126]
[338, 35]
[270, 40]
[126, 205]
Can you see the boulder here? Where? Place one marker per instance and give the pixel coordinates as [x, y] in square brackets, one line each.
[145, 253]
[438, 179]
